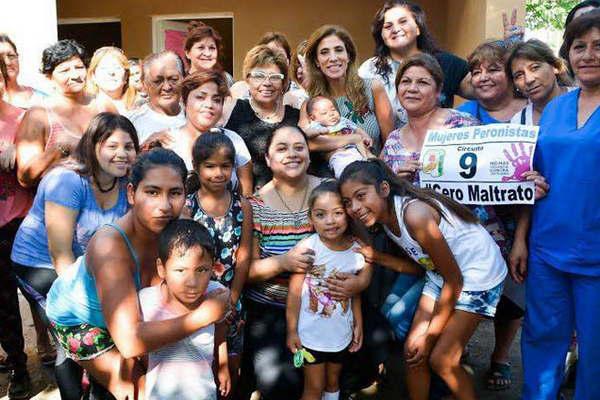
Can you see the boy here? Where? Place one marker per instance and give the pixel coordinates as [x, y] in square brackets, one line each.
[324, 113]
[183, 370]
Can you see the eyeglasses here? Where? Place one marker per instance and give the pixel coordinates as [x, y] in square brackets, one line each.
[159, 82]
[260, 77]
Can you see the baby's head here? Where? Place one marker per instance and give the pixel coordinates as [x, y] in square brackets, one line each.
[323, 110]
[185, 260]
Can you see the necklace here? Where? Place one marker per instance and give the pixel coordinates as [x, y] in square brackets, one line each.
[106, 190]
[297, 221]
[261, 115]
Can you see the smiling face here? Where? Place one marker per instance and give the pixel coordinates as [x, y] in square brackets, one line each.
[203, 54]
[11, 58]
[215, 172]
[363, 202]
[204, 106]
[490, 81]
[324, 112]
[400, 30]
[288, 156]
[110, 75]
[584, 57]
[186, 274]
[535, 79]
[135, 77]
[158, 198]
[265, 83]
[162, 82]
[116, 154]
[332, 57]
[328, 217]
[69, 76]
[417, 91]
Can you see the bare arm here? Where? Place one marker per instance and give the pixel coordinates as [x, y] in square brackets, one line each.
[246, 179]
[517, 260]
[297, 259]
[292, 311]
[60, 225]
[32, 157]
[243, 254]
[357, 329]
[222, 358]
[395, 263]
[383, 110]
[423, 224]
[112, 266]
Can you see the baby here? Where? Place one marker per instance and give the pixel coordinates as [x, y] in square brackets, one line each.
[184, 369]
[323, 113]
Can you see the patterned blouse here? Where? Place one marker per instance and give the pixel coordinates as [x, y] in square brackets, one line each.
[394, 154]
[277, 232]
[226, 231]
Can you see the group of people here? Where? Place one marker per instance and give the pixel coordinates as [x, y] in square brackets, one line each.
[178, 234]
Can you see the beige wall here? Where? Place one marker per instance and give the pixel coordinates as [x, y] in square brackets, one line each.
[251, 19]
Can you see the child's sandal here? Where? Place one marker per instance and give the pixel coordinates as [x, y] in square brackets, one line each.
[499, 376]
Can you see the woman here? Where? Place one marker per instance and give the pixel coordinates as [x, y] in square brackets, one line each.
[280, 213]
[203, 47]
[16, 94]
[50, 133]
[400, 31]
[135, 81]
[71, 202]
[563, 271]
[94, 307]
[299, 75]
[537, 74]
[266, 73]
[203, 94]
[108, 79]
[14, 203]
[495, 100]
[331, 61]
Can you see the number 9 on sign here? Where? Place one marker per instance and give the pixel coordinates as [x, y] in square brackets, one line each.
[468, 162]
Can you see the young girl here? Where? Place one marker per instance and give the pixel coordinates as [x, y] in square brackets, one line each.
[228, 217]
[465, 268]
[321, 330]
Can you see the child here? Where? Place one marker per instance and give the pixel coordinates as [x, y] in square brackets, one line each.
[228, 217]
[183, 370]
[322, 329]
[465, 269]
[324, 113]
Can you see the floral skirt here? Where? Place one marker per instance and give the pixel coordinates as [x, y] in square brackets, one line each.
[82, 342]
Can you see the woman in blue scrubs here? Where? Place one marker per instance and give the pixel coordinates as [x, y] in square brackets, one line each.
[563, 276]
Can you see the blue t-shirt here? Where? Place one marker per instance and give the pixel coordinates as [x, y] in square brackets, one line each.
[67, 188]
[565, 229]
[476, 110]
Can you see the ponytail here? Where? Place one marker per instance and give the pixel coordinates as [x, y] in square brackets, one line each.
[374, 172]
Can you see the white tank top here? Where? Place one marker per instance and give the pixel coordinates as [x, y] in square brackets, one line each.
[475, 251]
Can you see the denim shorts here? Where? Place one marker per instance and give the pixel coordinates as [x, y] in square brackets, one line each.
[482, 302]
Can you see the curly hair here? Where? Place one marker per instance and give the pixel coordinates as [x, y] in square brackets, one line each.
[60, 52]
[318, 84]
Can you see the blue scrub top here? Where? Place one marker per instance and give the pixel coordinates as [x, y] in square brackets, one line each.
[476, 110]
[565, 230]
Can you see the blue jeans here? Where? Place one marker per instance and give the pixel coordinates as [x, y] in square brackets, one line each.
[401, 303]
[557, 303]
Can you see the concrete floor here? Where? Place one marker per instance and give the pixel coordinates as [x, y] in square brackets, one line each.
[480, 347]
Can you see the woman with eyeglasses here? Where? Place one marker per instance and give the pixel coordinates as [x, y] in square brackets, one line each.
[266, 73]
[16, 94]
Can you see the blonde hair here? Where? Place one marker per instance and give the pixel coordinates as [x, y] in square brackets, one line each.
[263, 55]
[129, 93]
[318, 85]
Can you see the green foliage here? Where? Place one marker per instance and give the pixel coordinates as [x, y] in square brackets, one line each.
[547, 13]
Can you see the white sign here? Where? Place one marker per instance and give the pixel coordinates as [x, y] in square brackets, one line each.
[480, 164]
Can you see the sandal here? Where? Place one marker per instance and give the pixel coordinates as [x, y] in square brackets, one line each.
[499, 376]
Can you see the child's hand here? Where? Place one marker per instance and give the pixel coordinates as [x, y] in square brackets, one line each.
[357, 338]
[293, 342]
[224, 380]
[418, 349]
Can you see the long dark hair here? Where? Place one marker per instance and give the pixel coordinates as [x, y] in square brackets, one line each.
[157, 157]
[375, 172]
[425, 41]
[100, 128]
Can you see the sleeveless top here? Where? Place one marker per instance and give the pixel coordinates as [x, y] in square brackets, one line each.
[226, 231]
[478, 257]
[73, 297]
[255, 131]
[57, 129]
